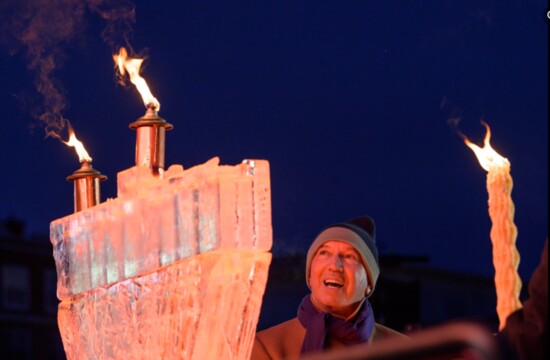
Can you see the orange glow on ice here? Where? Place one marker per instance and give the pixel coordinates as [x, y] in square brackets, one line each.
[132, 66]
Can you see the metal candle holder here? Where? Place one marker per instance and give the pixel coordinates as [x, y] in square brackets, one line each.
[86, 186]
[150, 140]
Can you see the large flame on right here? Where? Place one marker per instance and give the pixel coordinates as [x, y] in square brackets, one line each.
[487, 156]
[132, 66]
[503, 231]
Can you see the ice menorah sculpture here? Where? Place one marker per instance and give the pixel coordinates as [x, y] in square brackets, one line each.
[174, 268]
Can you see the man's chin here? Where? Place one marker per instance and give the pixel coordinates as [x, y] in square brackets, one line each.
[333, 303]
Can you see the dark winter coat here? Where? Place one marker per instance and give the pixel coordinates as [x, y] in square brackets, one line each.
[284, 341]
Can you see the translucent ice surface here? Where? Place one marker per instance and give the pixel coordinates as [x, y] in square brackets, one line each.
[203, 307]
[174, 268]
[155, 222]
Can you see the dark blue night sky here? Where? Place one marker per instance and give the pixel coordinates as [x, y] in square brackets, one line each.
[348, 100]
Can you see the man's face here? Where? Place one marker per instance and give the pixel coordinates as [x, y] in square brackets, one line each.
[338, 279]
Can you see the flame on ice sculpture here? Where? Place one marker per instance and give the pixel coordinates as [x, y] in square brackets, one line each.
[174, 268]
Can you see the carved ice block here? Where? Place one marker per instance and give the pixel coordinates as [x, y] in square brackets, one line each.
[175, 267]
[203, 307]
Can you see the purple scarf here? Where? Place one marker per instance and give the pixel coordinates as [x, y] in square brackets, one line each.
[321, 326]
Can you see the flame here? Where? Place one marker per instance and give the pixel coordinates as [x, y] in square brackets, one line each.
[131, 66]
[488, 158]
[74, 142]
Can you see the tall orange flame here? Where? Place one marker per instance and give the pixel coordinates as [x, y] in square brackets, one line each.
[488, 158]
[132, 66]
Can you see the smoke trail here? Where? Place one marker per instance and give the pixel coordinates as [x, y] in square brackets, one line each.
[40, 29]
[43, 29]
[119, 16]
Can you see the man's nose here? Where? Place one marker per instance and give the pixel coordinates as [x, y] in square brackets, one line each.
[337, 261]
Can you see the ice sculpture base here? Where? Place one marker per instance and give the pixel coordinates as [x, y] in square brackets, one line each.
[172, 313]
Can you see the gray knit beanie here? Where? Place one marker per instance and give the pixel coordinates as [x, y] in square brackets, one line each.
[359, 233]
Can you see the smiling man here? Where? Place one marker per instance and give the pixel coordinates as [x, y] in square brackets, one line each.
[341, 271]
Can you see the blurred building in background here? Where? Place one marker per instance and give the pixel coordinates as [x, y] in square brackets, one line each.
[28, 302]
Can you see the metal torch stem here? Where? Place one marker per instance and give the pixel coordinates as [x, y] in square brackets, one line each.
[86, 187]
[150, 140]
[86, 193]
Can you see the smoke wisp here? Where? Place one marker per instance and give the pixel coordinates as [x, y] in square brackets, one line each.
[43, 30]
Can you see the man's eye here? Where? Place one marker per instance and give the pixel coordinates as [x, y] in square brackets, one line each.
[323, 252]
[351, 258]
